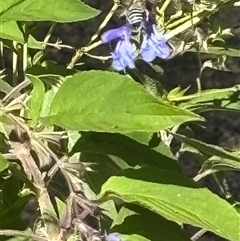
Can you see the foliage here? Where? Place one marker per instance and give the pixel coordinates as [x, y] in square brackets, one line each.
[92, 151]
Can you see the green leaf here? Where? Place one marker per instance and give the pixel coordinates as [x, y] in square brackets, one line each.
[10, 30]
[3, 163]
[14, 215]
[5, 87]
[207, 96]
[151, 85]
[108, 208]
[123, 213]
[36, 101]
[219, 51]
[103, 166]
[176, 93]
[61, 206]
[175, 197]
[111, 153]
[129, 150]
[154, 141]
[147, 226]
[40, 10]
[109, 102]
[73, 137]
[208, 148]
[219, 164]
[49, 95]
[10, 190]
[18, 238]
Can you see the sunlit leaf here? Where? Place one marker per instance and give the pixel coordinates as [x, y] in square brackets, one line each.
[175, 197]
[73, 137]
[219, 164]
[3, 163]
[220, 51]
[5, 87]
[206, 96]
[48, 98]
[208, 148]
[35, 103]
[109, 102]
[10, 30]
[109, 209]
[147, 226]
[40, 10]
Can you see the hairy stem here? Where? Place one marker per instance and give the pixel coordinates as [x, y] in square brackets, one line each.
[11, 232]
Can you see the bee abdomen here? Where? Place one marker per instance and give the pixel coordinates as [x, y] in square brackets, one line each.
[135, 17]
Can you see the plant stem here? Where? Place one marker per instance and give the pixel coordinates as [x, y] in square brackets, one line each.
[90, 46]
[11, 232]
[164, 7]
[2, 66]
[15, 64]
[81, 51]
[198, 234]
[49, 34]
[105, 21]
[25, 56]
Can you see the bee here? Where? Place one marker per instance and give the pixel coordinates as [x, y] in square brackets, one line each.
[135, 17]
[138, 12]
[134, 12]
[139, 9]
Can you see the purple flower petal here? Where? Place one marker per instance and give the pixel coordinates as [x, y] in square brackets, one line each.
[113, 237]
[158, 35]
[117, 64]
[127, 52]
[123, 56]
[154, 45]
[162, 50]
[148, 54]
[122, 32]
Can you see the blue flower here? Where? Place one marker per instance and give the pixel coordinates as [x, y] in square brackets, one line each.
[124, 53]
[113, 237]
[122, 32]
[154, 45]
